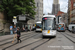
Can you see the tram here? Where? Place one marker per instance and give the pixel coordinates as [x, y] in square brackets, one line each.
[38, 26]
[61, 27]
[49, 25]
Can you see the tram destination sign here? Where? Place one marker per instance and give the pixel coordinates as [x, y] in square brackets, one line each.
[47, 18]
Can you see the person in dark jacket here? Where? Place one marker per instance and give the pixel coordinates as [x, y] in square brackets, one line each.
[26, 28]
[73, 29]
[18, 35]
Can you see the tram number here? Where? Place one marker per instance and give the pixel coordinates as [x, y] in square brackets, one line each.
[48, 31]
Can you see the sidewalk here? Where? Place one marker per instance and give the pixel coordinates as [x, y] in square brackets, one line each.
[10, 36]
[6, 41]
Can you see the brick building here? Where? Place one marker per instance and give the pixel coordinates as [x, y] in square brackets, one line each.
[71, 11]
[63, 17]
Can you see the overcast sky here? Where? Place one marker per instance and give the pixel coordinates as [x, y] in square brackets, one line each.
[47, 5]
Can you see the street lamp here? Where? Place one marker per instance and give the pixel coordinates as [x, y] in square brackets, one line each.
[15, 19]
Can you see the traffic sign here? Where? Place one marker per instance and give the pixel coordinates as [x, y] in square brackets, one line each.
[15, 20]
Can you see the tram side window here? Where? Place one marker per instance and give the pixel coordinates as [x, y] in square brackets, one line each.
[54, 24]
[43, 25]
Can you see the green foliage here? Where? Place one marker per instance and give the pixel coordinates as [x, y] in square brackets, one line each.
[16, 7]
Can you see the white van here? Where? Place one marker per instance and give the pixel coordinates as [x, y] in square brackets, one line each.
[70, 27]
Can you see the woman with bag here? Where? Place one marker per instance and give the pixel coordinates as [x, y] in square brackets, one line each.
[18, 35]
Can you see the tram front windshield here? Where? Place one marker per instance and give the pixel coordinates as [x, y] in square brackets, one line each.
[38, 25]
[48, 24]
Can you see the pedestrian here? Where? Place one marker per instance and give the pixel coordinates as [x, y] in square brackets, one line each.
[11, 29]
[30, 28]
[15, 34]
[23, 29]
[33, 28]
[18, 35]
[26, 28]
[72, 29]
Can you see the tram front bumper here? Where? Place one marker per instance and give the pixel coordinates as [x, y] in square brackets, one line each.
[49, 34]
[52, 33]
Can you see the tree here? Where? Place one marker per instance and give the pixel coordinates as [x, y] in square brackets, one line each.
[16, 7]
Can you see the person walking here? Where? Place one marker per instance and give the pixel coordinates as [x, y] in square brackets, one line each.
[33, 28]
[15, 34]
[72, 29]
[30, 28]
[26, 28]
[11, 29]
[18, 35]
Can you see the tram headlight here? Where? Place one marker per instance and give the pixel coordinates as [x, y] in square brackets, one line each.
[53, 31]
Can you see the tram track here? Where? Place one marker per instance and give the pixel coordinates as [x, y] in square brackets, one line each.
[22, 40]
[40, 44]
[28, 44]
[68, 37]
[12, 37]
[32, 44]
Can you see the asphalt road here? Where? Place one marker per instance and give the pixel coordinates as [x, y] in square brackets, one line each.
[34, 41]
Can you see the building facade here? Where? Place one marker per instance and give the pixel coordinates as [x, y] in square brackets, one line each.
[61, 17]
[56, 7]
[4, 26]
[39, 13]
[38, 10]
[71, 11]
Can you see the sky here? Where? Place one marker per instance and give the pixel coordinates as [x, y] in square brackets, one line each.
[47, 5]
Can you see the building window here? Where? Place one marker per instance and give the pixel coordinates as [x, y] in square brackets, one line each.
[74, 4]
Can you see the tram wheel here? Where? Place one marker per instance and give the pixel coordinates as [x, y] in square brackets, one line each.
[54, 36]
